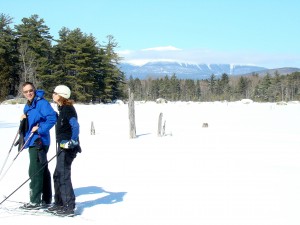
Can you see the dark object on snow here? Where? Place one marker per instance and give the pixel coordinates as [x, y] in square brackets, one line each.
[22, 131]
[205, 125]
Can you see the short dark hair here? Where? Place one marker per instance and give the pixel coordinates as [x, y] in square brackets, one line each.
[28, 83]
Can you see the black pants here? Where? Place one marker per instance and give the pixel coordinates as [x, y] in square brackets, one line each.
[40, 177]
[47, 189]
[64, 193]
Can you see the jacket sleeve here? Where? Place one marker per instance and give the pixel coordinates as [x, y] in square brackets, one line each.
[75, 128]
[49, 118]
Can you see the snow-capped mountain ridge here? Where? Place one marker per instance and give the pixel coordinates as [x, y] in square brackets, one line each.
[185, 70]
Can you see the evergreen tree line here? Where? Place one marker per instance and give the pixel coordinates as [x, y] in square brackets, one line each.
[264, 88]
[29, 53]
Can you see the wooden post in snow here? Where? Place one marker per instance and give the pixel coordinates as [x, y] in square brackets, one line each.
[159, 130]
[132, 130]
[92, 128]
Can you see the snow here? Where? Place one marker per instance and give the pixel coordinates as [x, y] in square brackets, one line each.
[242, 169]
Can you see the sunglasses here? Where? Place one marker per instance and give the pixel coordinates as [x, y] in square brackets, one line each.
[28, 91]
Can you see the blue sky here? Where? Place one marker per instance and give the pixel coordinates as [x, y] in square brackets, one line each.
[257, 32]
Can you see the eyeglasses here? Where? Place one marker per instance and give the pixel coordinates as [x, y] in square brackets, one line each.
[28, 91]
[54, 93]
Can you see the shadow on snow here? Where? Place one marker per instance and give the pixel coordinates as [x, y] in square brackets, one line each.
[108, 198]
[8, 125]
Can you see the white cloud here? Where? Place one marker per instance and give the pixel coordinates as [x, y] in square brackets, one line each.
[163, 48]
[208, 56]
[124, 52]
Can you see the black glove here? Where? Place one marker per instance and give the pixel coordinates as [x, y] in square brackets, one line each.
[20, 142]
[22, 131]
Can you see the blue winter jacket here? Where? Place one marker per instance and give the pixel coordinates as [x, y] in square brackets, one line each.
[40, 113]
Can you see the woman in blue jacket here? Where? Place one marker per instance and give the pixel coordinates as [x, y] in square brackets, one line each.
[40, 118]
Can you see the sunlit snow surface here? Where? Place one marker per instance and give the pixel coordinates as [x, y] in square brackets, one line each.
[243, 169]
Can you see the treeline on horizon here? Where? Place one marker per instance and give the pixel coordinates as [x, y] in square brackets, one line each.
[29, 53]
[266, 88]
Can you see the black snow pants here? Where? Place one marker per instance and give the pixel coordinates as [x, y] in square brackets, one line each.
[64, 193]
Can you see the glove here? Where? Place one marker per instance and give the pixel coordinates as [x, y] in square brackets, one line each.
[20, 142]
[65, 144]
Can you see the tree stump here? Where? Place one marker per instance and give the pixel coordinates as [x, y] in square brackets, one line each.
[161, 126]
[92, 128]
[205, 125]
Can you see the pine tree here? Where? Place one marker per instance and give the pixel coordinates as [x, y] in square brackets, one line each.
[34, 45]
[175, 88]
[8, 59]
[114, 79]
[75, 64]
[242, 88]
[212, 86]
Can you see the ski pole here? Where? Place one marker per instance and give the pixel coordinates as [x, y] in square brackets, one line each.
[31, 134]
[4, 196]
[30, 177]
[12, 145]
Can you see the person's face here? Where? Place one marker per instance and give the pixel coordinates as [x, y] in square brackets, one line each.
[28, 92]
[55, 97]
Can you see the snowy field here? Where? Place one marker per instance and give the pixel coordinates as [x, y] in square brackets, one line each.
[243, 169]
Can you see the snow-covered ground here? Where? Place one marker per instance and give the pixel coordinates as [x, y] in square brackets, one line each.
[243, 169]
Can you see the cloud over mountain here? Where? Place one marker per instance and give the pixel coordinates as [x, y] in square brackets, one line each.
[208, 56]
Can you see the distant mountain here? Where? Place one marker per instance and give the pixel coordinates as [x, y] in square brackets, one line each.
[185, 71]
[281, 71]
